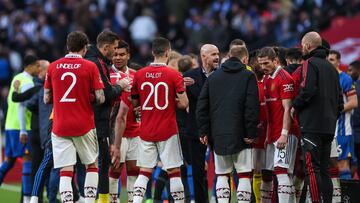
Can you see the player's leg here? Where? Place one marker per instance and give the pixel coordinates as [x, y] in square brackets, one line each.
[41, 175]
[223, 167]
[25, 151]
[132, 171]
[243, 165]
[284, 160]
[104, 165]
[326, 183]
[171, 158]
[266, 188]
[334, 170]
[11, 138]
[258, 165]
[64, 155]
[299, 175]
[87, 149]
[114, 174]
[311, 144]
[344, 157]
[147, 160]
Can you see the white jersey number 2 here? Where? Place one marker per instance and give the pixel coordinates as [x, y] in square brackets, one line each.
[154, 92]
[65, 97]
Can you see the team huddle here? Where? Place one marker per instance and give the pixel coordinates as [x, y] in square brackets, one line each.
[268, 119]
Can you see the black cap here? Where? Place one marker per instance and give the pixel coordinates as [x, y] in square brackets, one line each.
[30, 59]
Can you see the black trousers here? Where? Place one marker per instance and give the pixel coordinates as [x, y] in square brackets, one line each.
[316, 151]
[104, 164]
[197, 152]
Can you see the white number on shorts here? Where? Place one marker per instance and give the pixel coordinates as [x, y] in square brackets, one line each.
[281, 154]
[154, 90]
[73, 76]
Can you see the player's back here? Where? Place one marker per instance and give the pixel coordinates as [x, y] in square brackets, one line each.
[72, 80]
[157, 87]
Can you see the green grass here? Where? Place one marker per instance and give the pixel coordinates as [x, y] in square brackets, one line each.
[11, 193]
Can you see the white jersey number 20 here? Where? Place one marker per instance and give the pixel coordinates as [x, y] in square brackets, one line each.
[154, 92]
[65, 97]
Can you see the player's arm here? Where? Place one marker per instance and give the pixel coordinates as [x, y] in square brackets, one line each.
[120, 123]
[286, 103]
[252, 109]
[99, 96]
[20, 97]
[202, 113]
[182, 101]
[47, 96]
[21, 116]
[309, 88]
[351, 96]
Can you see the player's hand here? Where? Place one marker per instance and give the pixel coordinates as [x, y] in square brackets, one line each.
[16, 85]
[281, 142]
[115, 156]
[248, 140]
[125, 84]
[204, 139]
[24, 138]
[189, 81]
[292, 113]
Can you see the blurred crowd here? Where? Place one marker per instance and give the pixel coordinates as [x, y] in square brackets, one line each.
[41, 26]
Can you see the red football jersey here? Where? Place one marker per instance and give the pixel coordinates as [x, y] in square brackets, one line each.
[132, 125]
[72, 79]
[156, 86]
[262, 126]
[277, 87]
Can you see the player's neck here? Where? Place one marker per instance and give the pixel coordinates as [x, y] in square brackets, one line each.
[161, 60]
[81, 53]
[208, 69]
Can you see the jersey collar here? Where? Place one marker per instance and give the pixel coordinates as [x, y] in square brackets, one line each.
[275, 72]
[73, 56]
[158, 64]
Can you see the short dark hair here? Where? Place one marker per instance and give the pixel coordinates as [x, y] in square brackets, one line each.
[185, 63]
[355, 64]
[76, 41]
[160, 45]
[106, 37]
[280, 54]
[336, 53]
[293, 54]
[267, 52]
[237, 42]
[239, 52]
[123, 45]
[30, 60]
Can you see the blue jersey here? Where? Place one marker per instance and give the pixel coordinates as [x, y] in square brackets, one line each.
[343, 125]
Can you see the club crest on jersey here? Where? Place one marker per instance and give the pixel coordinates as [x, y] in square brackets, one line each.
[288, 87]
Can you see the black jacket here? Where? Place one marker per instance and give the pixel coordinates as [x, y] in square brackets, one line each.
[228, 107]
[291, 68]
[193, 93]
[319, 101]
[111, 92]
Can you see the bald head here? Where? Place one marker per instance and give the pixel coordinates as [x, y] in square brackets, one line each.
[44, 64]
[210, 56]
[310, 41]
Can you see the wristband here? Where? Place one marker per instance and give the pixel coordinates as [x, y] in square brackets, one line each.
[284, 132]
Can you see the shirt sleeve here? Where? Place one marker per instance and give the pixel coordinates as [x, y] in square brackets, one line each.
[134, 89]
[287, 88]
[96, 82]
[125, 98]
[348, 87]
[179, 83]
